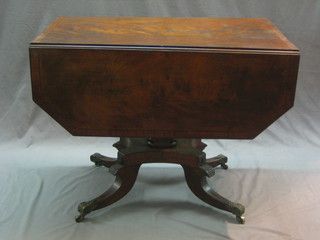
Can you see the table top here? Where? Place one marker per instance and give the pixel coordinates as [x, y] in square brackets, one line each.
[235, 33]
[164, 77]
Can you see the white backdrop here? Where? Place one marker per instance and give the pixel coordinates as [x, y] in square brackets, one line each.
[45, 172]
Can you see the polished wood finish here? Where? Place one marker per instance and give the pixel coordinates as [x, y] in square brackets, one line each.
[243, 33]
[133, 152]
[164, 77]
[161, 84]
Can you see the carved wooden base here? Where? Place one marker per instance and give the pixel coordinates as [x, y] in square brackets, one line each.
[133, 152]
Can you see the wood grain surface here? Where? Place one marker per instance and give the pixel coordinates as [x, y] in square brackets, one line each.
[244, 33]
[154, 92]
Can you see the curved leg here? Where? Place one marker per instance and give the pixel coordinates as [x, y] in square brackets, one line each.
[218, 160]
[125, 179]
[100, 160]
[197, 182]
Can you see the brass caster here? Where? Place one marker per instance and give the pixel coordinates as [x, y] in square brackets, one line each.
[241, 219]
[84, 208]
[96, 160]
[224, 166]
[79, 218]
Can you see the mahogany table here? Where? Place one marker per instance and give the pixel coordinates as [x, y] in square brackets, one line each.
[162, 84]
